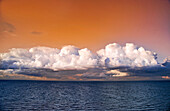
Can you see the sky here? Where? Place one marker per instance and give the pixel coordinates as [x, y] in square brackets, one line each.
[91, 24]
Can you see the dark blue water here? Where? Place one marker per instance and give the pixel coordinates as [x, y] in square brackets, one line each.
[71, 96]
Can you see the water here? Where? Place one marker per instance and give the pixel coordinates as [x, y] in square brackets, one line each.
[71, 96]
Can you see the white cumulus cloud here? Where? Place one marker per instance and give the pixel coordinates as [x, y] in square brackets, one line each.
[128, 55]
[71, 57]
[70, 62]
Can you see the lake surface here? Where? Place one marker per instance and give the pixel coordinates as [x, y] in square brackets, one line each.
[92, 96]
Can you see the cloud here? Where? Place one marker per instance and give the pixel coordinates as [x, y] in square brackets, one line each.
[114, 61]
[129, 55]
[165, 77]
[117, 73]
[167, 62]
[7, 28]
[69, 57]
[36, 33]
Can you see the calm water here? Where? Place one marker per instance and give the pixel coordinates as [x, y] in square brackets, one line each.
[71, 96]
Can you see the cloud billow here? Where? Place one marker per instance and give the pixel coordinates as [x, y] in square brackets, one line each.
[101, 64]
[129, 55]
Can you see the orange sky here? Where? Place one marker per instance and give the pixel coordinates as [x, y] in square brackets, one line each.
[85, 23]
